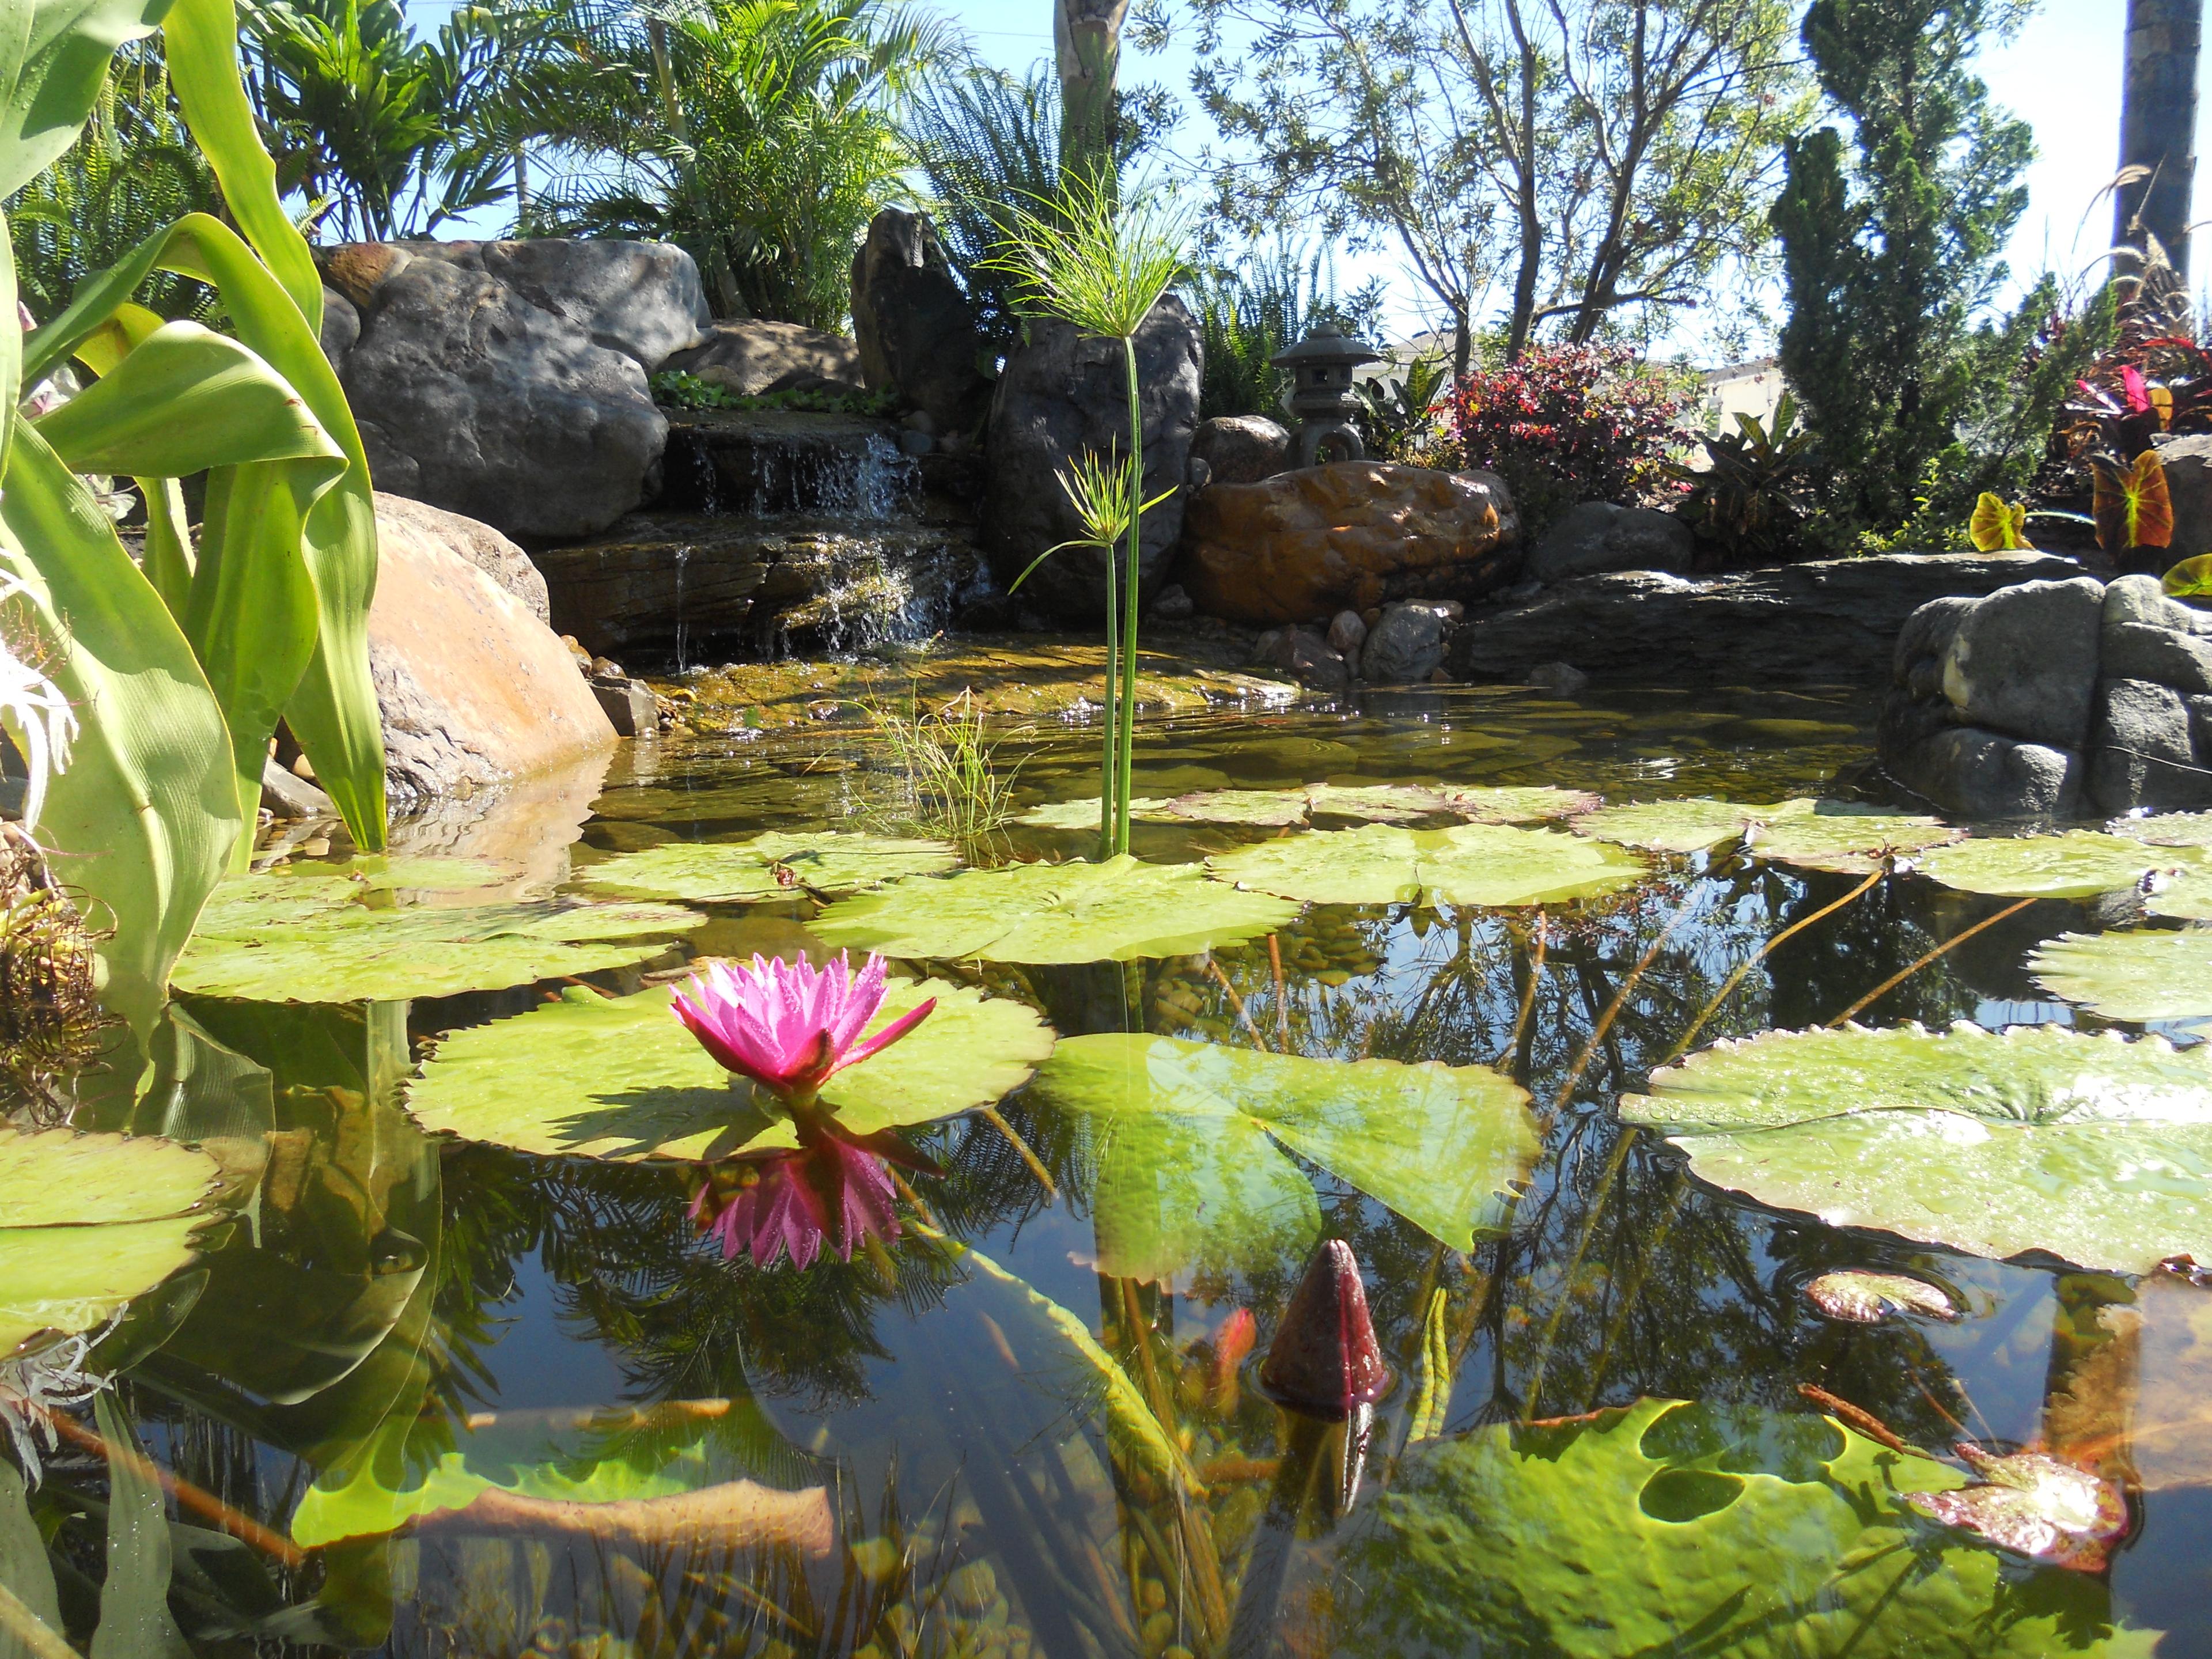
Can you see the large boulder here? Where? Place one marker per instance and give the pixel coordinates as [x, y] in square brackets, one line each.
[1241, 448]
[915, 328]
[2188, 462]
[747, 358]
[1407, 643]
[1062, 396]
[480, 544]
[506, 380]
[2024, 661]
[1302, 546]
[1593, 539]
[474, 689]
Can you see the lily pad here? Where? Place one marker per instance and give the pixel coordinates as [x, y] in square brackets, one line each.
[301, 937]
[1377, 803]
[87, 1222]
[1084, 814]
[1116, 911]
[2080, 864]
[2166, 829]
[2181, 896]
[1691, 825]
[618, 1077]
[1819, 834]
[1256, 808]
[718, 872]
[1671, 1527]
[2091, 1149]
[1865, 1298]
[1470, 864]
[2036, 1506]
[1187, 1140]
[1524, 803]
[2133, 975]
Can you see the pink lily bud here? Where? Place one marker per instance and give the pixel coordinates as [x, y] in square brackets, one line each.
[1325, 1361]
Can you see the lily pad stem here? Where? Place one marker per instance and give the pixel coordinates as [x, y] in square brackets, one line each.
[1729, 985]
[1237, 1002]
[1628, 985]
[991, 1116]
[1903, 975]
[1543, 936]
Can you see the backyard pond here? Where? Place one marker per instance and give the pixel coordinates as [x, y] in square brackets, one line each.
[1720, 1147]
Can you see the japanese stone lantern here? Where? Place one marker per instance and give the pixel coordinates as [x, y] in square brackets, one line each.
[1322, 397]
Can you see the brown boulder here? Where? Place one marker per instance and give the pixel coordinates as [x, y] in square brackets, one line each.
[1303, 545]
[747, 358]
[1241, 448]
[475, 690]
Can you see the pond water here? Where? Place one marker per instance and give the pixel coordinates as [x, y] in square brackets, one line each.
[1031, 1425]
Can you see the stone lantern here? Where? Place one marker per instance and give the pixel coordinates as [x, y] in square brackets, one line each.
[1322, 397]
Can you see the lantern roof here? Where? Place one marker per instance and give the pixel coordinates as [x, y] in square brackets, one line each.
[1327, 343]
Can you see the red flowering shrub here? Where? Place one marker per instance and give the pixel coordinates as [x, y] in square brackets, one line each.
[1568, 424]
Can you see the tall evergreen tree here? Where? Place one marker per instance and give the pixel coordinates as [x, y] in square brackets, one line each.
[1892, 226]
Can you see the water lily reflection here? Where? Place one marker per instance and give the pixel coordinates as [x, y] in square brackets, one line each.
[836, 1187]
[789, 1026]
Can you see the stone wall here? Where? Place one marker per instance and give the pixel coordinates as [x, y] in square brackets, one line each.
[2054, 699]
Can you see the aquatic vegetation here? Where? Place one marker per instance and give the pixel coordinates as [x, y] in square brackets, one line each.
[1191, 1140]
[1379, 803]
[1865, 1298]
[1473, 864]
[40, 722]
[2165, 829]
[34, 1387]
[951, 783]
[2034, 1504]
[1325, 1361]
[772, 866]
[2146, 974]
[789, 1027]
[2079, 864]
[593, 1076]
[1116, 911]
[1817, 834]
[1958, 1138]
[50, 1018]
[89, 1221]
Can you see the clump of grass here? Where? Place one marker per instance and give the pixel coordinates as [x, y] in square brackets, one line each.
[952, 785]
[50, 1019]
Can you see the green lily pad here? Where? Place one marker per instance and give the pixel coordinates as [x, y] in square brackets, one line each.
[618, 1077]
[2182, 896]
[1377, 803]
[2080, 864]
[1469, 864]
[1117, 911]
[422, 873]
[91, 1221]
[1850, 843]
[2166, 829]
[1819, 834]
[1865, 1298]
[2091, 1149]
[1084, 814]
[1525, 803]
[719, 873]
[1186, 1140]
[2152, 974]
[301, 937]
[1257, 808]
[1674, 1527]
[1691, 825]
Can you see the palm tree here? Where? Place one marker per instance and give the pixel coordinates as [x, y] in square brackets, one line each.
[2157, 126]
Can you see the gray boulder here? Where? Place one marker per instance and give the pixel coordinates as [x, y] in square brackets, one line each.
[1060, 396]
[2143, 753]
[747, 358]
[915, 328]
[1303, 655]
[1594, 538]
[2188, 462]
[1241, 448]
[2024, 661]
[506, 381]
[1408, 644]
[1972, 774]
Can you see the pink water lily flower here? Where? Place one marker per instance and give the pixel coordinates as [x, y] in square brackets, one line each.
[835, 1186]
[790, 1026]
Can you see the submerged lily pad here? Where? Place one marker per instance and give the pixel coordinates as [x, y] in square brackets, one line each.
[2080, 864]
[1469, 864]
[719, 873]
[2138, 976]
[2092, 1149]
[87, 1222]
[301, 937]
[1819, 834]
[1116, 911]
[1672, 1528]
[618, 1077]
[1186, 1140]
[1863, 1298]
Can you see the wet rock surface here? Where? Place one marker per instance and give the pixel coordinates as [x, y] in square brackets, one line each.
[756, 463]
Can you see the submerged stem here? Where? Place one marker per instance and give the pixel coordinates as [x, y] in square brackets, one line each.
[1904, 974]
[991, 1115]
[1729, 985]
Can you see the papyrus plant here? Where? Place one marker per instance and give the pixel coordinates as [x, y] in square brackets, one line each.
[180, 669]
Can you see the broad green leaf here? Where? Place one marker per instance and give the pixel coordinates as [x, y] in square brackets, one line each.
[1182, 1137]
[1851, 842]
[1691, 825]
[416, 872]
[1865, 1298]
[24, 1569]
[2183, 895]
[135, 1622]
[1256, 808]
[2080, 864]
[1519, 804]
[1472, 864]
[1379, 803]
[620, 1078]
[767, 867]
[2166, 829]
[2143, 976]
[147, 815]
[87, 1222]
[301, 937]
[1819, 834]
[1730, 1532]
[1084, 814]
[1116, 911]
[53, 59]
[2091, 1149]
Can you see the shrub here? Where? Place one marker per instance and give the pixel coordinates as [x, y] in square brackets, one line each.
[1570, 423]
[1750, 501]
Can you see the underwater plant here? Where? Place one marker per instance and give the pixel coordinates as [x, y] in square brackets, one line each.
[790, 1026]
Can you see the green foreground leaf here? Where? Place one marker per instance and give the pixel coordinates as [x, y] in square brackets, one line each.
[2138, 976]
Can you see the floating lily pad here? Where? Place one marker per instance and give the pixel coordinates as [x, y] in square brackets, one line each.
[1864, 1298]
[1526, 803]
[1116, 911]
[1256, 808]
[1691, 825]
[1666, 1528]
[1084, 814]
[2092, 1149]
[2181, 896]
[2080, 864]
[618, 1077]
[301, 937]
[2035, 1505]
[1819, 834]
[1468, 864]
[2166, 829]
[87, 1222]
[2154, 974]
[719, 873]
[1186, 1140]
[1377, 803]
[1850, 843]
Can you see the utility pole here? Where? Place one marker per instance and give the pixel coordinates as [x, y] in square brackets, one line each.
[1086, 37]
[2157, 126]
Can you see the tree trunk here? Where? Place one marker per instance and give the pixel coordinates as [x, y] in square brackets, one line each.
[2157, 125]
[1087, 44]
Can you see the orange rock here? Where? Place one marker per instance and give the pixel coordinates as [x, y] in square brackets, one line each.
[1302, 546]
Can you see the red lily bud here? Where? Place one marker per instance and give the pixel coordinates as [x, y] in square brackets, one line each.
[1325, 1360]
